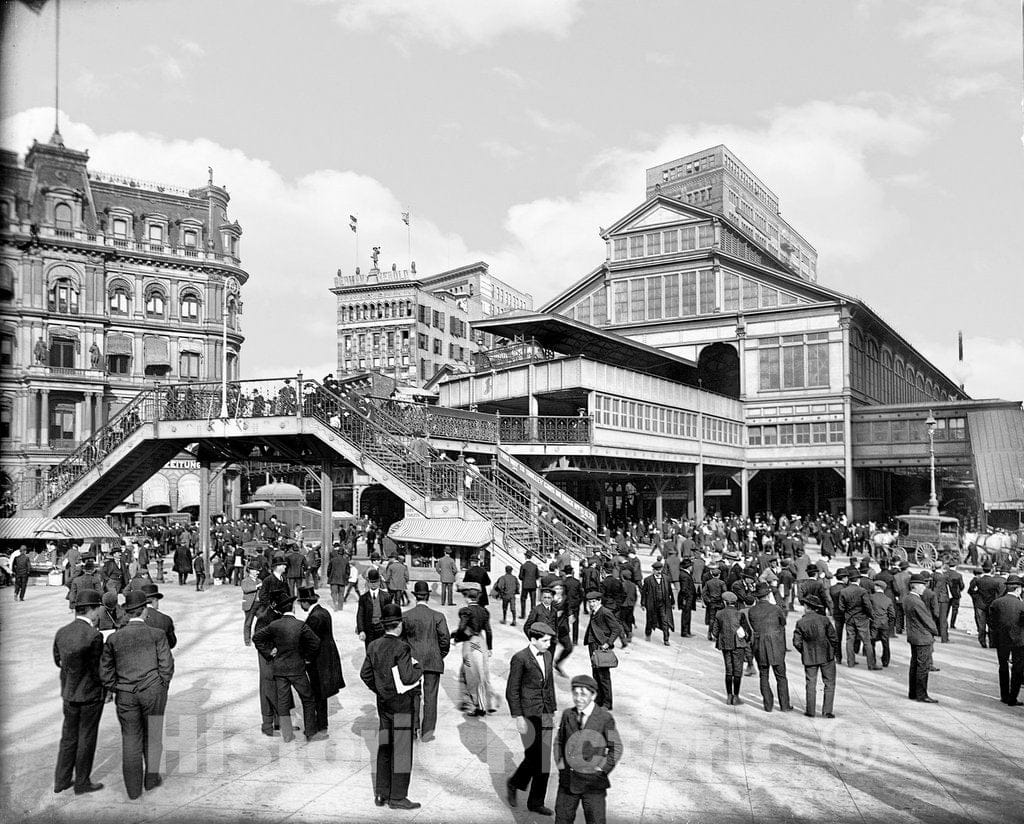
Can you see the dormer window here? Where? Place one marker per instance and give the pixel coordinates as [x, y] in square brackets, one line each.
[63, 218]
[156, 236]
[190, 239]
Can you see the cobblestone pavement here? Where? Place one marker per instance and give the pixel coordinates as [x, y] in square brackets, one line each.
[689, 757]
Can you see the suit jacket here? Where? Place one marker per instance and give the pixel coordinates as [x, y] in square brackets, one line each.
[546, 615]
[296, 563]
[479, 575]
[162, 622]
[337, 569]
[364, 610]
[578, 757]
[326, 665]
[1006, 622]
[136, 657]
[932, 602]
[657, 597]
[426, 630]
[528, 575]
[985, 589]
[883, 613]
[287, 644]
[687, 591]
[940, 586]
[723, 629]
[921, 628]
[768, 628]
[529, 691]
[603, 628]
[446, 569]
[816, 638]
[87, 580]
[901, 584]
[77, 649]
[382, 655]
[855, 602]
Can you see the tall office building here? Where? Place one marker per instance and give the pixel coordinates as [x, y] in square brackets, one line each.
[716, 180]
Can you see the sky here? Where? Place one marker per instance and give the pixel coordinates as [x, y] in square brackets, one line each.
[512, 130]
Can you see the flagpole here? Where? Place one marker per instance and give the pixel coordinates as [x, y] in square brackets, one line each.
[56, 74]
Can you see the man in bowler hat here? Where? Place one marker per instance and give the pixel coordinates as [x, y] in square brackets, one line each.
[76, 650]
[817, 641]
[391, 674]
[1006, 624]
[137, 666]
[426, 630]
[324, 669]
[921, 632]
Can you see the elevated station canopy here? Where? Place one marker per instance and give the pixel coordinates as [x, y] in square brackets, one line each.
[577, 339]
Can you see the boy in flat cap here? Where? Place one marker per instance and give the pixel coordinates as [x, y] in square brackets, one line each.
[587, 748]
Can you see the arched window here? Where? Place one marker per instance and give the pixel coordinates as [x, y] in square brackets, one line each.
[120, 300]
[190, 307]
[156, 304]
[62, 217]
[63, 297]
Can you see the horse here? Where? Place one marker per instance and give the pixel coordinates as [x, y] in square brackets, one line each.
[997, 546]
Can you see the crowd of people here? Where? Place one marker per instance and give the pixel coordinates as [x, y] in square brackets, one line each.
[745, 576]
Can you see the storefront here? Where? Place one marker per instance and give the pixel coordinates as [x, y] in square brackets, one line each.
[424, 541]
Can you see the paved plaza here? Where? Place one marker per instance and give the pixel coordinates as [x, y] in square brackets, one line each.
[688, 756]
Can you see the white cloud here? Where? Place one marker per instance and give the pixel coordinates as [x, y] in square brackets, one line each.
[957, 88]
[89, 85]
[458, 24]
[510, 76]
[191, 47]
[661, 60]
[501, 150]
[993, 368]
[168, 64]
[555, 127]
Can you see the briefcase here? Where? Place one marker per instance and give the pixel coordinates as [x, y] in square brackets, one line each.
[603, 659]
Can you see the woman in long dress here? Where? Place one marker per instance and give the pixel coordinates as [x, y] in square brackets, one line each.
[477, 641]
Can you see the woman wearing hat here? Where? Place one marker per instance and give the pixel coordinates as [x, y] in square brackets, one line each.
[477, 641]
[731, 633]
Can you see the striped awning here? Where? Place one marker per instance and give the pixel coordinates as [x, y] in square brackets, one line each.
[445, 531]
[157, 352]
[119, 344]
[76, 529]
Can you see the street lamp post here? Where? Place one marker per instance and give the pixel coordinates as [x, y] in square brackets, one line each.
[231, 288]
[933, 501]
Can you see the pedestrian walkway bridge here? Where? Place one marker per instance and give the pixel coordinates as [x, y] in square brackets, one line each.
[307, 422]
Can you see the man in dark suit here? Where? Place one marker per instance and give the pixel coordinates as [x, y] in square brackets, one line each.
[838, 618]
[984, 589]
[656, 600]
[115, 573]
[391, 674]
[21, 569]
[940, 586]
[476, 573]
[901, 588]
[587, 748]
[77, 649]
[711, 593]
[155, 618]
[370, 609]
[955, 582]
[337, 575]
[1006, 620]
[815, 638]
[768, 630]
[287, 644]
[687, 599]
[601, 633]
[921, 632]
[530, 693]
[137, 666]
[324, 669]
[855, 603]
[528, 576]
[426, 630]
[296, 568]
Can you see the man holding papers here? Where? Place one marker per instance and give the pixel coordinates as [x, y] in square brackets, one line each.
[392, 674]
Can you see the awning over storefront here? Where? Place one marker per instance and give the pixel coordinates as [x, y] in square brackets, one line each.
[156, 492]
[997, 439]
[188, 491]
[449, 531]
[119, 345]
[76, 529]
[157, 352]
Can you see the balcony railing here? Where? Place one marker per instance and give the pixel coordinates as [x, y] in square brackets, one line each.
[63, 444]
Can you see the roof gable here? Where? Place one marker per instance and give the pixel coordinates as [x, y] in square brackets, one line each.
[657, 211]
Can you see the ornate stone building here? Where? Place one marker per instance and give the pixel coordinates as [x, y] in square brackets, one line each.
[108, 284]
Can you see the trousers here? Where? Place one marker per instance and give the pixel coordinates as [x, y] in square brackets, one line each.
[20, 586]
[394, 747]
[881, 635]
[283, 685]
[685, 615]
[532, 594]
[981, 622]
[781, 683]
[920, 663]
[77, 743]
[141, 716]
[943, 621]
[828, 678]
[446, 593]
[425, 703]
[535, 768]
[862, 633]
[1011, 672]
[594, 806]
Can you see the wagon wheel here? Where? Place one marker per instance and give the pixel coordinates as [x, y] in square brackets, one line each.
[898, 554]
[925, 555]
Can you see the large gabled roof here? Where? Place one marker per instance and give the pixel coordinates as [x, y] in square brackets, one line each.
[571, 337]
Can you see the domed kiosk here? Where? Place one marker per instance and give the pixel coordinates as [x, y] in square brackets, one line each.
[279, 494]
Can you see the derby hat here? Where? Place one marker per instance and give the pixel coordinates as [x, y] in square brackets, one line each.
[920, 578]
[761, 590]
[152, 591]
[1014, 581]
[284, 602]
[421, 588]
[373, 574]
[135, 599]
[390, 615]
[89, 598]
[814, 602]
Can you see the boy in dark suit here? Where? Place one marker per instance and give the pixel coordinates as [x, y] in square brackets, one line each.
[77, 650]
[583, 763]
[531, 700]
[601, 633]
